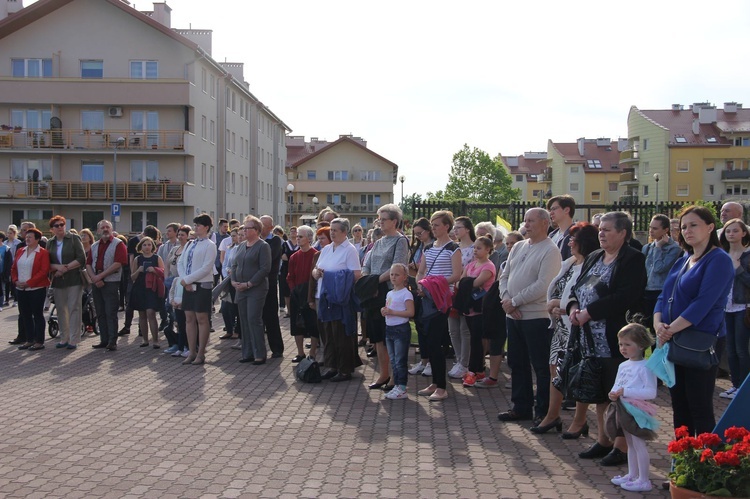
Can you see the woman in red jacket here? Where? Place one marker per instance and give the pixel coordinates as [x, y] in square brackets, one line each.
[30, 274]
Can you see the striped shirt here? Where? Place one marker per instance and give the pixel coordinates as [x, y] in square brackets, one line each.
[438, 259]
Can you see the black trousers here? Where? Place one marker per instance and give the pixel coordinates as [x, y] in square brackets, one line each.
[271, 319]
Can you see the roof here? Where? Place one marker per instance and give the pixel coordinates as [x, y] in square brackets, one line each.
[608, 156]
[679, 123]
[38, 10]
[523, 165]
[300, 152]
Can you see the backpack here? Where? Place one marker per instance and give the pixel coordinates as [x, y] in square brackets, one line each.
[308, 371]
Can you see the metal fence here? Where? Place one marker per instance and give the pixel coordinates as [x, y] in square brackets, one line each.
[514, 212]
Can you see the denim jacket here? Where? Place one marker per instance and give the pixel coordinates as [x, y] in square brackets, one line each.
[659, 261]
[741, 286]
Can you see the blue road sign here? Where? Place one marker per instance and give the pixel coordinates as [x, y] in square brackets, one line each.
[115, 209]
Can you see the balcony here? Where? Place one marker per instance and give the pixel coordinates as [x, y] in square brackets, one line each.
[735, 175]
[66, 190]
[629, 199]
[87, 140]
[628, 178]
[629, 155]
[545, 177]
[349, 208]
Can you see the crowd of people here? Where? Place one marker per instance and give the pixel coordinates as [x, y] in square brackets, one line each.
[469, 290]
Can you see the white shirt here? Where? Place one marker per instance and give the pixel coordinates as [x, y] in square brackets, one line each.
[25, 265]
[343, 257]
[396, 300]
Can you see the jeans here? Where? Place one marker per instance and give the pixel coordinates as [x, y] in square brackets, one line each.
[738, 347]
[106, 301]
[31, 312]
[397, 340]
[460, 338]
[179, 317]
[529, 342]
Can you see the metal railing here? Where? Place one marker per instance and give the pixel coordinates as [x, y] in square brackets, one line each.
[66, 190]
[74, 139]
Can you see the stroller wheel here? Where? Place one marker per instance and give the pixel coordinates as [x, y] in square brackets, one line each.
[53, 328]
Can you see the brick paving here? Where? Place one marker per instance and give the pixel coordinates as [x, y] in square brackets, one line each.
[136, 423]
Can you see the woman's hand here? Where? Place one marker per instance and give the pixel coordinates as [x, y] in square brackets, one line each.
[663, 333]
[583, 317]
[574, 316]
[552, 307]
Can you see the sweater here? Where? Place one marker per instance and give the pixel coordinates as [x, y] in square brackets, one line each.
[527, 274]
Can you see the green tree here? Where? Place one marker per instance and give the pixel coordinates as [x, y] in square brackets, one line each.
[477, 177]
[408, 203]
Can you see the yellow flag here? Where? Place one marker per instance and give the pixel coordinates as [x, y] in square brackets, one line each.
[503, 222]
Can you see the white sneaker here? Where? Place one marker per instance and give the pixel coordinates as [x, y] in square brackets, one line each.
[458, 371]
[619, 480]
[637, 486]
[427, 370]
[729, 394]
[177, 353]
[186, 353]
[396, 393]
[416, 368]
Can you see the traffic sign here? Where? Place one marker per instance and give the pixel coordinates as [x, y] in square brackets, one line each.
[115, 209]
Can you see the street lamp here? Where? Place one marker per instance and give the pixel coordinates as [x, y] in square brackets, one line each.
[315, 201]
[402, 178]
[656, 179]
[119, 142]
[290, 190]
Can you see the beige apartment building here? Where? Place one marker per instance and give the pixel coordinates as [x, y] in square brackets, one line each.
[344, 174]
[103, 104]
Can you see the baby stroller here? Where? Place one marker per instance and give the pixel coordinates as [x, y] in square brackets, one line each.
[88, 316]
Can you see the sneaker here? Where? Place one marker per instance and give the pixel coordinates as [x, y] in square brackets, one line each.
[637, 486]
[396, 393]
[177, 353]
[457, 372]
[469, 379]
[1, 309]
[486, 382]
[729, 394]
[427, 370]
[15, 304]
[171, 349]
[186, 353]
[619, 480]
[416, 368]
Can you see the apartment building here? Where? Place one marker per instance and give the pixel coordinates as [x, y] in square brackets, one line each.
[107, 107]
[529, 174]
[680, 154]
[345, 175]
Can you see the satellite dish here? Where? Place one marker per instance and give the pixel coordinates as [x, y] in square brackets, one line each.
[55, 125]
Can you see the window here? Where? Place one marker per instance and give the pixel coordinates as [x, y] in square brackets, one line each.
[729, 165]
[92, 69]
[709, 166]
[232, 182]
[683, 190]
[203, 175]
[234, 137]
[242, 185]
[574, 187]
[92, 120]
[738, 141]
[89, 219]
[594, 164]
[613, 187]
[227, 98]
[211, 175]
[92, 171]
[140, 219]
[242, 108]
[645, 144]
[683, 165]
[30, 118]
[336, 198]
[710, 189]
[212, 86]
[646, 166]
[29, 169]
[519, 178]
[18, 216]
[573, 169]
[311, 174]
[338, 175]
[371, 175]
[680, 140]
[144, 171]
[32, 68]
[144, 70]
[370, 199]
[234, 102]
[596, 196]
[737, 190]
[203, 127]
[226, 139]
[204, 82]
[711, 140]
[148, 122]
[226, 182]
[212, 132]
[645, 191]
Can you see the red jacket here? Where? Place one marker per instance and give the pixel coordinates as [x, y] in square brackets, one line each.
[39, 271]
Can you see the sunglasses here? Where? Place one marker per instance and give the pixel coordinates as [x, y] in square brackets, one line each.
[56, 226]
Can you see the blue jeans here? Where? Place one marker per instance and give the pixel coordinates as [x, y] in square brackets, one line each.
[738, 347]
[397, 340]
[528, 346]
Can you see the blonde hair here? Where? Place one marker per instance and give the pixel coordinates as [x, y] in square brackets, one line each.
[145, 239]
[638, 333]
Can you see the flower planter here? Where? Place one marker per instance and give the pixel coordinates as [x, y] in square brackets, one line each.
[680, 493]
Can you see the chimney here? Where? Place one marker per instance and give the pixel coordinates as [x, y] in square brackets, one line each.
[603, 142]
[676, 107]
[697, 106]
[163, 14]
[730, 107]
[8, 7]
[696, 126]
[581, 149]
[622, 144]
[707, 115]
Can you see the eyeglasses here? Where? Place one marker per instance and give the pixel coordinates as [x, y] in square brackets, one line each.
[57, 226]
[419, 234]
[357, 230]
[249, 228]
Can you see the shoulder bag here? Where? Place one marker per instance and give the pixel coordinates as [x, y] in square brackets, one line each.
[585, 377]
[308, 371]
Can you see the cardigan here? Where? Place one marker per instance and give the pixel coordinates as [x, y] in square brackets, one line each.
[39, 271]
[72, 250]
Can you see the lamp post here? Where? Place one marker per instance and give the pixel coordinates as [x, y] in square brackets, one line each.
[402, 178]
[315, 201]
[290, 190]
[120, 141]
[656, 179]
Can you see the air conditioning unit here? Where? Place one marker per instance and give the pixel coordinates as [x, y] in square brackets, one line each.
[115, 112]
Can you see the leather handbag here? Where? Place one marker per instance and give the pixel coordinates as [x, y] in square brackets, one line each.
[308, 371]
[585, 377]
[572, 357]
[694, 349]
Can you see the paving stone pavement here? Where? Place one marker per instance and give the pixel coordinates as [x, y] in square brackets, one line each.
[136, 423]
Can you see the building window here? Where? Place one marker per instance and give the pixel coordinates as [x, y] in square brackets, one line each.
[596, 196]
[140, 219]
[226, 139]
[18, 216]
[683, 166]
[92, 69]
[92, 120]
[336, 199]
[311, 175]
[234, 140]
[519, 178]
[370, 199]
[709, 165]
[234, 102]
[228, 98]
[574, 187]
[738, 141]
[737, 190]
[144, 171]
[371, 175]
[89, 219]
[594, 164]
[203, 128]
[92, 171]
[645, 191]
[212, 85]
[211, 175]
[573, 169]
[212, 132]
[680, 139]
[232, 182]
[729, 165]
[203, 175]
[338, 175]
[24, 170]
[710, 189]
[646, 166]
[645, 144]
[32, 68]
[204, 83]
[144, 70]
[683, 190]
[32, 119]
[613, 187]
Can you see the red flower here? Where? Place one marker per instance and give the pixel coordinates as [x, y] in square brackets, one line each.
[677, 446]
[742, 448]
[735, 433]
[682, 432]
[709, 439]
[706, 454]
[693, 442]
[727, 458]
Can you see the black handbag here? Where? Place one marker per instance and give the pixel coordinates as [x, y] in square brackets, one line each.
[694, 349]
[572, 357]
[585, 377]
[308, 371]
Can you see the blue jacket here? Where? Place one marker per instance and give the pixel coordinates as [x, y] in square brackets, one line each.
[659, 261]
[337, 300]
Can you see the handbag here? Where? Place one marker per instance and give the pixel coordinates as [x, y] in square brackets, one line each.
[85, 277]
[690, 347]
[572, 357]
[585, 377]
[308, 371]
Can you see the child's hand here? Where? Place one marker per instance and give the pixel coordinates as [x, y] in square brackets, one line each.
[616, 394]
[384, 311]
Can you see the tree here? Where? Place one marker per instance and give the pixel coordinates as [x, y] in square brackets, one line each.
[408, 203]
[477, 177]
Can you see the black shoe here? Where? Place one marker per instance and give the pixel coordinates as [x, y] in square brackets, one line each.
[298, 358]
[568, 435]
[556, 424]
[277, 355]
[112, 347]
[124, 331]
[16, 341]
[596, 450]
[378, 386]
[341, 377]
[615, 458]
[372, 352]
[246, 361]
[329, 374]
[259, 362]
[512, 415]
[99, 345]
[163, 325]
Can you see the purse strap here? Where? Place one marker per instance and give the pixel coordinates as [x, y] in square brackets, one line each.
[674, 288]
[588, 336]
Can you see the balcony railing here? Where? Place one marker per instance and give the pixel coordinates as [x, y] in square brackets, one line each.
[66, 190]
[735, 174]
[628, 177]
[629, 156]
[340, 208]
[73, 139]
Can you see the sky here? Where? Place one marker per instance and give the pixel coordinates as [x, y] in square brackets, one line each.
[419, 79]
